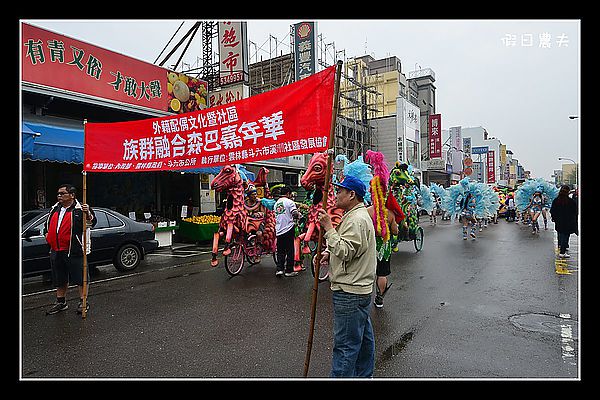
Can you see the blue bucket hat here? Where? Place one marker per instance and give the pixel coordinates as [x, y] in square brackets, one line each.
[352, 183]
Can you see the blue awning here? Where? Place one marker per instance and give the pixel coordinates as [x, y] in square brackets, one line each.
[43, 142]
[27, 136]
[54, 143]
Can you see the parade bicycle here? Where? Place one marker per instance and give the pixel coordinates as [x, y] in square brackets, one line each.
[414, 234]
[245, 247]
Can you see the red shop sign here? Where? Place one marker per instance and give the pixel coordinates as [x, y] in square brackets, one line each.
[60, 62]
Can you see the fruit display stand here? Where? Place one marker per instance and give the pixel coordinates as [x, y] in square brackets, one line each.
[197, 232]
[164, 232]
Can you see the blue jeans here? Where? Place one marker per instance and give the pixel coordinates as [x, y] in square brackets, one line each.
[353, 339]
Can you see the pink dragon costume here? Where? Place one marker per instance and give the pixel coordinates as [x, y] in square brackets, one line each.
[314, 179]
[235, 221]
[268, 217]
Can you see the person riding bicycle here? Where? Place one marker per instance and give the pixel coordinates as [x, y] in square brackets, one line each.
[256, 213]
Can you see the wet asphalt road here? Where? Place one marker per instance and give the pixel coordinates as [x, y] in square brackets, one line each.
[497, 307]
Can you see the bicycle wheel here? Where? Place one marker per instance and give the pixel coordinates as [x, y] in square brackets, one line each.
[235, 260]
[252, 251]
[418, 238]
[323, 269]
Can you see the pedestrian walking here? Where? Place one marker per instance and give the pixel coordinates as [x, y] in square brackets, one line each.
[352, 260]
[286, 214]
[564, 215]
[64, 233]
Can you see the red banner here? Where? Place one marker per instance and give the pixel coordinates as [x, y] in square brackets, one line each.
[491, 167]
[295, 119]
[435, 136]
[57, 61]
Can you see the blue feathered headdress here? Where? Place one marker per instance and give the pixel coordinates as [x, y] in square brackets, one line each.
[426, 201]
[358, 169]
[439, 191]
[525, 192]
[456, 193]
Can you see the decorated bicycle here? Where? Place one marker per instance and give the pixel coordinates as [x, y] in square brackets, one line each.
[313, 180]
[247, 226]
[405, 188]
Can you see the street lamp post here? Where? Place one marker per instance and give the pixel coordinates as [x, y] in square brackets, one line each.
[576, 172]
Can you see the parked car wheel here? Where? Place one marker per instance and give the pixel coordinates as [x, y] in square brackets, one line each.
[128, 258]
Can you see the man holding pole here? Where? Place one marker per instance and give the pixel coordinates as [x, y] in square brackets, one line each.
[352, 262]
[64, 234]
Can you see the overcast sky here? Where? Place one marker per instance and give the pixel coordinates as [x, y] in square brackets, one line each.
[519, 79]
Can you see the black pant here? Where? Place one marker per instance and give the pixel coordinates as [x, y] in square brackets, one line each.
[511, 214]
[285, 249]
[563, 242]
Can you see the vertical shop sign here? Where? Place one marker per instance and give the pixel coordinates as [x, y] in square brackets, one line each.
[502, 161]
[304, 49]
[491, 167]
[456, 148]
[435, 136]
[467, 147]
[233, 53]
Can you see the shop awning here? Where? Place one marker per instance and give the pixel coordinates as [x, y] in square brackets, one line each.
[27, 136]
[54, 143]
[44, 142]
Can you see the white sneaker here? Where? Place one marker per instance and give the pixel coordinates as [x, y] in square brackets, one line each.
[278, 273]
[566, 255]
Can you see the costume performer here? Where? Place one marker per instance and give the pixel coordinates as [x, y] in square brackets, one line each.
[255, 211]
[403, 187]
[438, 193]
[464, 200]
[546, 204]
[359, 169]
[426, 201]
[384, 221]
[534, 194]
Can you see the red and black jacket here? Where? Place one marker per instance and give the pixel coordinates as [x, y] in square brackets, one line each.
[70, 234]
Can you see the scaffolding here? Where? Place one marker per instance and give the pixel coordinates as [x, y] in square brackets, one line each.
[360, 98]
[358, 105]
[210, 69]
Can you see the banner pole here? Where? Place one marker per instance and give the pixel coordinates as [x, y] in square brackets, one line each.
[84, 199]
[317, 263]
